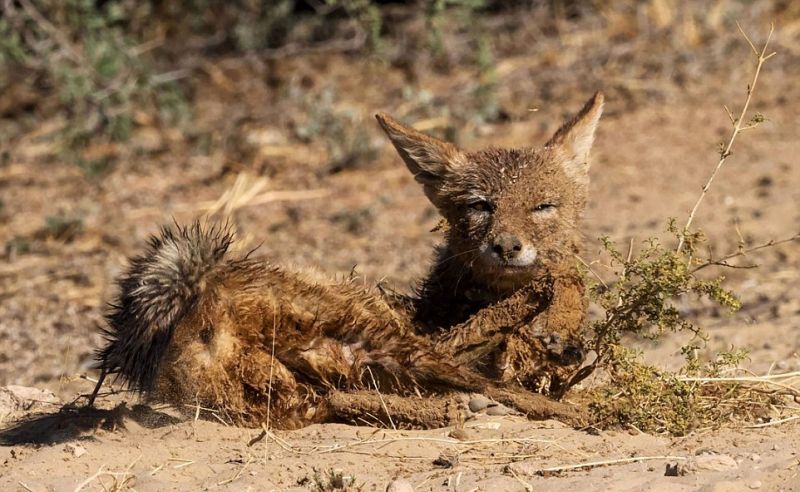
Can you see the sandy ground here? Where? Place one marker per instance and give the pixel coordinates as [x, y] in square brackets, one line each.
[650, 160]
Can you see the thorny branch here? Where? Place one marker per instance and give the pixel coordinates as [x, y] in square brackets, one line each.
[725, 151]
[639, 294]
[742, 251]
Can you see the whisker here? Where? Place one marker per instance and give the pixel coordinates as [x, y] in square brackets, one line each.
[464, 272]
[445, 260]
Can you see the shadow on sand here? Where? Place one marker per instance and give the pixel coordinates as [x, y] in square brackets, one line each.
[73, 422]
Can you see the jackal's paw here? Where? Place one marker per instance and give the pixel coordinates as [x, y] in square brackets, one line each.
[544, 384]
[541, 384]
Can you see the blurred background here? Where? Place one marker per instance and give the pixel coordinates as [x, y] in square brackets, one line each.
[117, 116]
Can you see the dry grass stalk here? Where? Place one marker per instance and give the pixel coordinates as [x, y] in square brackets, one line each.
[118, 484]
[247, 191]
[24, 485]
[595, 464]
[773, 422]
[528, 487]
[183, 463]
[786, 384]
[237, 474]
[380, 396]
[269, 389]
[725, 151]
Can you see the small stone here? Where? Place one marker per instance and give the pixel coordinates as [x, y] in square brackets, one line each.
[446, 461]
[15, 399]
[479, 402]
[460, 433]
[75, 449]
[756, 484]
[33, 395]
[499, 410]
[678, 469]
[262, 137]
[713, 462]
[755, 457]
[399, 485]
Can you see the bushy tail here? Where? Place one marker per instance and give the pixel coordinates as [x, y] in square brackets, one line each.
[158, 289]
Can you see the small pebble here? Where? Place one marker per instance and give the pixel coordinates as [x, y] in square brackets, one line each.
[446, 461]
[713, 462]
[496, 410]
[678, 469]
[399, 485]
[755, 484]
[478, 403]
[76, 449]
[460, 433]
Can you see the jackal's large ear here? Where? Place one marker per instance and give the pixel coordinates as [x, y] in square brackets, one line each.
[430, 160]
[574, 139]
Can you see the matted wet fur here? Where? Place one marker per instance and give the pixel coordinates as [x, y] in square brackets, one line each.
[504, 295]
[503, 304]
[259, 343]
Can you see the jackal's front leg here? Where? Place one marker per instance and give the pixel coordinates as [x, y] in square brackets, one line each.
[543, 354]
[486, 331]
[532, 337]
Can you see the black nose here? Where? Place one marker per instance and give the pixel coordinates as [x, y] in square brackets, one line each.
[572, 354]
[506, 246]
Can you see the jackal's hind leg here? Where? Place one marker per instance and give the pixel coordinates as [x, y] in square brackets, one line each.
[271, 394]
[438, 410]
[387, 410]
[539, 407]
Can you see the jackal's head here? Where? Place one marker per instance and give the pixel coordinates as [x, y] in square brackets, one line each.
[512, 213]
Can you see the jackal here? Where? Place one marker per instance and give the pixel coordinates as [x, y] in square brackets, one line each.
[504, 295]
[257, 342]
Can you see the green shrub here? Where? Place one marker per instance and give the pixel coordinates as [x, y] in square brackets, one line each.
[97, 68]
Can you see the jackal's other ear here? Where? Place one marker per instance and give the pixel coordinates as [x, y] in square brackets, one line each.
[430, 160]
[575, 137]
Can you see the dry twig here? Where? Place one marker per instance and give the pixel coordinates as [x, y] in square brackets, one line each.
[595, 464]
[725, 151]
[742, 251]
[380, 396]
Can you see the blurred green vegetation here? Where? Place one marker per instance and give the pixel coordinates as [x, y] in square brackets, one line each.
[106, 66]
[106, 60]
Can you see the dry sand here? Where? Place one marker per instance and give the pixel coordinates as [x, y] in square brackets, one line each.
[650, 161]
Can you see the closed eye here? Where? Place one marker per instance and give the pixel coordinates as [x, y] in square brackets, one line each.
[543, 207]
[481, 206]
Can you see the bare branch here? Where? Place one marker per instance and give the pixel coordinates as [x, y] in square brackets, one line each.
[737, 129]
[755, 51]
[743, 252]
